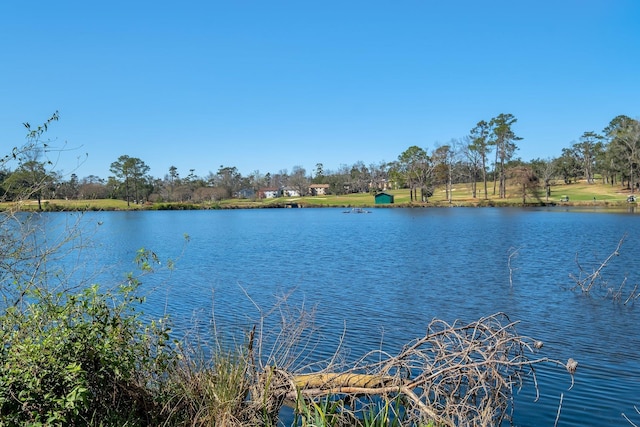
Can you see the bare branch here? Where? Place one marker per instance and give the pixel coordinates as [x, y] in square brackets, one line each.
[456, 374]
[589, 280]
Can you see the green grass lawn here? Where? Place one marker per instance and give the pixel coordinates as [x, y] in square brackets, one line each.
[579, 194]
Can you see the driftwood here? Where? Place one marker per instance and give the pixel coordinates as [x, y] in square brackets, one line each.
[333, 381]
[456, 374]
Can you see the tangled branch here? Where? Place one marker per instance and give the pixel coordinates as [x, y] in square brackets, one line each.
[456, 374]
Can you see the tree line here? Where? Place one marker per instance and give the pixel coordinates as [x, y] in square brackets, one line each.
[484, 159]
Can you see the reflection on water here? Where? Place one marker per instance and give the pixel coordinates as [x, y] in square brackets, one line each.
[384, 276]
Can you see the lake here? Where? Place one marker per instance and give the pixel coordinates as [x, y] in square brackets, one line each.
[382, 277]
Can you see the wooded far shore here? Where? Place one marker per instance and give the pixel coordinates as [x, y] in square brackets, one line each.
[561, 194]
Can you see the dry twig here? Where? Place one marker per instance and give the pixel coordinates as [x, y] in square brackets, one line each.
[586, 281]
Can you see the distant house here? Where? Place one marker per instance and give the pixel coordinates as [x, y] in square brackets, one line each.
[245, 193]
[268, 193]
[319, 189]
[383, 198]
[380, 185]
[290, 192]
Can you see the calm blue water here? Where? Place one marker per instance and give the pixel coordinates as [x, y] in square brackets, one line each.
[382, 277]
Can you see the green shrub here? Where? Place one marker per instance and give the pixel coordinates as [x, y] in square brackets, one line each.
[75, 354]
[76, 359]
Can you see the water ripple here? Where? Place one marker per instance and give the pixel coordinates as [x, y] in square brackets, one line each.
[387, 274]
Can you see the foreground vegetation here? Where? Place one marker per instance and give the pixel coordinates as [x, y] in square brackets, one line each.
[78, 355]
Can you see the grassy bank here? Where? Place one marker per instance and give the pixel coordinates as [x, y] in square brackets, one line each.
[578, 194]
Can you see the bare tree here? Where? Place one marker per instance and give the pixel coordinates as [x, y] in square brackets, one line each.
[526, 180]
[34, 174]
[473, 165]
[586, 151]
[379, 176]
[360, 177]
[545, 170]
[415, 168]
[299, 180]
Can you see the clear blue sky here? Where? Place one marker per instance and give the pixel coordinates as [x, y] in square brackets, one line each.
[268, 85]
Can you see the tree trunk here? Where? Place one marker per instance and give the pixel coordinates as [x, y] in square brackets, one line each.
[495, 172]
[126, 190]
[547, 190]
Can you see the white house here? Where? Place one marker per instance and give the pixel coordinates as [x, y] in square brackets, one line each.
[290, 192]
[319, 189]
[268, 193]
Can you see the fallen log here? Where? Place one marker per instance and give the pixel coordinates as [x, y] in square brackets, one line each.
[328, 381]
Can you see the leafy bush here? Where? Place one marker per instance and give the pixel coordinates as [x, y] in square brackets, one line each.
[75, 359]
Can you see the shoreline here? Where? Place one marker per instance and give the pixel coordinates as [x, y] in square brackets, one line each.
[96, 205]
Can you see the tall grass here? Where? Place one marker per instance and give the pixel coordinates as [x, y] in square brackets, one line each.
[205, 391]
